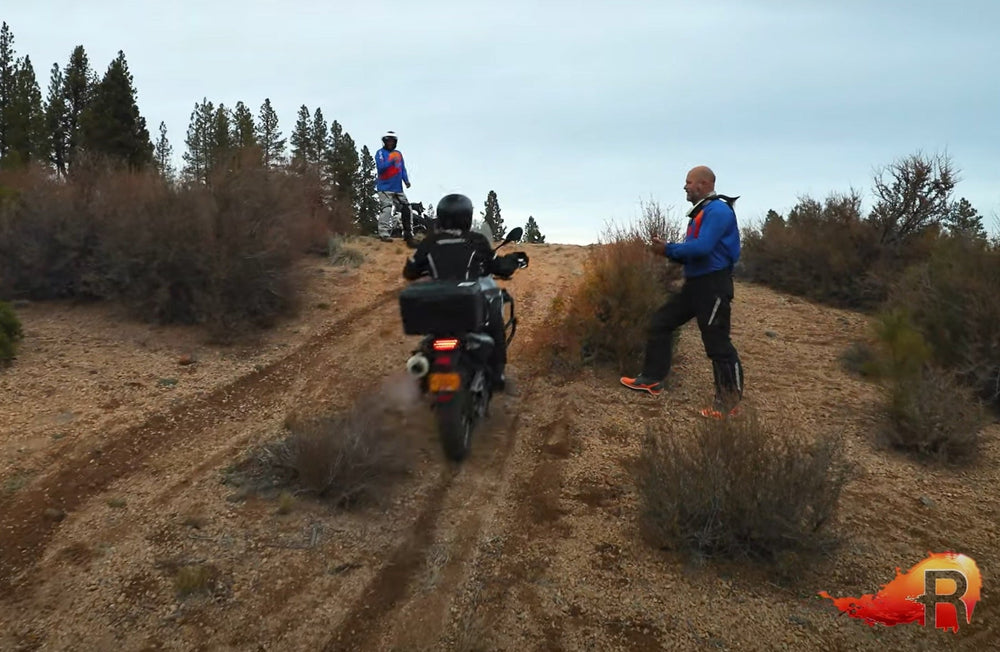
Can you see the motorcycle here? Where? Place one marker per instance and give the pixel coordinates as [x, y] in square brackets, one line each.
[451, 362]
[420, 223]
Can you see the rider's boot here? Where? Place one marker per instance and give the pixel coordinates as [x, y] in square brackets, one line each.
[499, 380]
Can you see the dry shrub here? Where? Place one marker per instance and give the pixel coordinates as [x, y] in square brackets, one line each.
[11, 333]
[935, 416]
[738, 488]
[825, 252]
[605, 319]
[860, 358]
[345, 458]
[221, 254]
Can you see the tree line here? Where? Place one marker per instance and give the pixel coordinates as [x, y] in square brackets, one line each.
[84, 117]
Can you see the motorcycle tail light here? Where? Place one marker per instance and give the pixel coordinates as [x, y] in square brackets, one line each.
[449, 344]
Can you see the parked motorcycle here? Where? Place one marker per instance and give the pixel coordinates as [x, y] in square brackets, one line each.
[420, 222]
[452, 361]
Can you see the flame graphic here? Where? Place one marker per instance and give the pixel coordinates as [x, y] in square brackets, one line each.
[896, 602]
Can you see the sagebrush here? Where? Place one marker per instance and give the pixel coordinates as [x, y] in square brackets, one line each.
[935, 416]
[739, 488]
[342, 457]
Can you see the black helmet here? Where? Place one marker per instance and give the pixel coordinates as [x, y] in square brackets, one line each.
[455, 212]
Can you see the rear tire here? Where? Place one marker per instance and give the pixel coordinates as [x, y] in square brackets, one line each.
[455, 424]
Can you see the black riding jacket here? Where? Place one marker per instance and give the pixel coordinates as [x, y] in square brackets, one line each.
[457, 256]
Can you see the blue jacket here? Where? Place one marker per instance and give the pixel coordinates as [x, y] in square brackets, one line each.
[391, 171]
[712, 242]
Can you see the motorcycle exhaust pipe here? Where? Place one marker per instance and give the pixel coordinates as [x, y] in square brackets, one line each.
[418, 365]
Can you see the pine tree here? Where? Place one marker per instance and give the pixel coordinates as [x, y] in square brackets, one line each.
[773, 222]
[343, 166]
[78, 85]
[492, 216]
[531, 232]
[198, 159]
[112, 125]
[272, 145]
[221, 140]
[301, 139]
[319, 140]
[964, 219]
[55, 120]
[163, 154]
[367, 201]
[244, 131]
[25, 137]
[8, 68]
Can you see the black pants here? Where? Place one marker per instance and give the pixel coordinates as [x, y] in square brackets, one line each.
[495, 329]
[404, 210]
[706, 298]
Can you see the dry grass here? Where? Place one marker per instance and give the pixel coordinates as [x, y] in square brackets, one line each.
[738, 488]
[342, 255]
[286, 502]
[194, 579]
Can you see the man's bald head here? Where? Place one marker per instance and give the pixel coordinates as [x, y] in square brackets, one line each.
[700, 183]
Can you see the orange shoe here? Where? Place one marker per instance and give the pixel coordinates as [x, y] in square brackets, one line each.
[643, 384]
[715, 413]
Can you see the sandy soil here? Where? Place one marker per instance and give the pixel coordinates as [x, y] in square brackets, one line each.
[116, 436]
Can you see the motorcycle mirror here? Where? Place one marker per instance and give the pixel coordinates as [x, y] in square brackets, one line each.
[514, 235]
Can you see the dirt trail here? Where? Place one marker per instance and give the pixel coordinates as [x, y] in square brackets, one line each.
[529, 544]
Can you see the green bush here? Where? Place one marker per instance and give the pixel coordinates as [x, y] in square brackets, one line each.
[10, 333]
[952, 300]
[931, 412]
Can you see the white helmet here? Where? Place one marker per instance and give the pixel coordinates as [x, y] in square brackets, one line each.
[388, 135]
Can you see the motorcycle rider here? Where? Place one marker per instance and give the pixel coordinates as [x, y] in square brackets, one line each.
[454, 252]
[391, 177]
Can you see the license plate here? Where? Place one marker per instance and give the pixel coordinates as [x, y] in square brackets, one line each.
[444, 382]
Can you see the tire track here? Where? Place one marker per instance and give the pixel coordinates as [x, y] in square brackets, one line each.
[390, 605]
[28, 519]
[388, 587]
[389, 597]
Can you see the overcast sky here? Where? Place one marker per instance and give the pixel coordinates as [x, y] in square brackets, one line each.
[574, 111]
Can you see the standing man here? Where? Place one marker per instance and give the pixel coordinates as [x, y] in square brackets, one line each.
[708, 253]
[391, 177]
